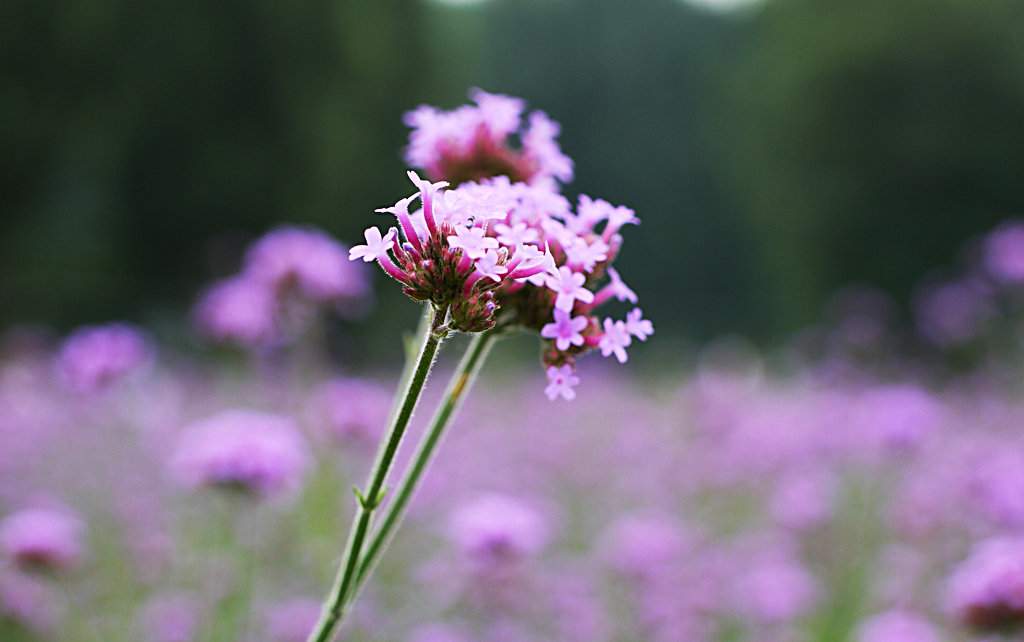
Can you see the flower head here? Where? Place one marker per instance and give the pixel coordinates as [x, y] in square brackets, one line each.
[496, 529]
[94, 357]
[240, 311]
[502, 246]
[561, 382]
[476, 142]
[257, 452]
[986, 591]
[42, 538]
[565, 330]
[308, 259]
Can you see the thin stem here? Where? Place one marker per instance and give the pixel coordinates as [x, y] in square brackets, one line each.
[460, 383]
[339, 598]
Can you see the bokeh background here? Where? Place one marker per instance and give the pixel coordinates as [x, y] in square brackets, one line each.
[775, 150]
[820, 443]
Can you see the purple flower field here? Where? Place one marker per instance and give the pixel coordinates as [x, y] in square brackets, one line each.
[863, 482]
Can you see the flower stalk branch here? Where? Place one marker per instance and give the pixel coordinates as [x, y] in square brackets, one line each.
[461, 381]
[368, 500]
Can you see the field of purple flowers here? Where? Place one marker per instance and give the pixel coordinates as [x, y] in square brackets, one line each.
[865, 482]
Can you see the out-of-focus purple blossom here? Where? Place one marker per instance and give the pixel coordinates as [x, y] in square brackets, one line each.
[474, 142]
[898, 416]
[578, 610]
[803, 499]
[986, 591]
[43, 538]
[641, 545]
[238, 310]
[495, 529]
[437, 633]
[1004, 252]
[994, 483]
[171, 618]
[27, 602]
[953, 312]
[94, 357]
[776, 589]
[292, 621]
[896, 626]
[352, 409]
[307, 259]
[259, 452]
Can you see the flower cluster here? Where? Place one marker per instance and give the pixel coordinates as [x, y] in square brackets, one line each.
[42, 538]
[94, 357]
[986, 591]
[503, 252]
[475, 142]
[253, 451]
[286, 268]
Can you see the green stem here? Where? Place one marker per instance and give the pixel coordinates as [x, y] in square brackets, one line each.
[460, 383]
[339, 599]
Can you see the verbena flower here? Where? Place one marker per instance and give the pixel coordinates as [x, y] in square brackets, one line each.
[1004, 252]
[257, 452]
[986, 591]
[286, 273]
[292, 621]
[95, 357]
[896, 626]
[240, 311]
[498, 529]
[306, 259]
[42, 538]
[474, 142]
[510, 254]
[173, 617]
[351, 410]
[27, 602]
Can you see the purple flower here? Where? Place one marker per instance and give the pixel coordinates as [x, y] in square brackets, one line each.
[561, 382]
[986, 591]
[26, 602]
[615, 340]
[238, 310]
[255, 451]
[583, 254]
[565, 330]
[896, 626]
[1004, 252]
[642, 545]
[475, 142]
[352, 409]
[94, 357]
[487, 266]
[436, 633]
[803, 500]
[171, 618]
[376, 247]
[568, 285]
[42, 538]
[638, 326]
[776, 589]
[308, 259]
[898, 416]
[472, 241]
[292, 621]
[953, 312]
[496, 529]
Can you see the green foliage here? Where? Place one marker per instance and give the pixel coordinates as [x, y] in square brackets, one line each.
[868, 140]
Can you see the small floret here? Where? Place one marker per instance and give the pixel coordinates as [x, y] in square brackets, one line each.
[565, 330]
[561, 381]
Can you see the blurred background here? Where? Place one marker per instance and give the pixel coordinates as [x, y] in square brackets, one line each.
[774, 150]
